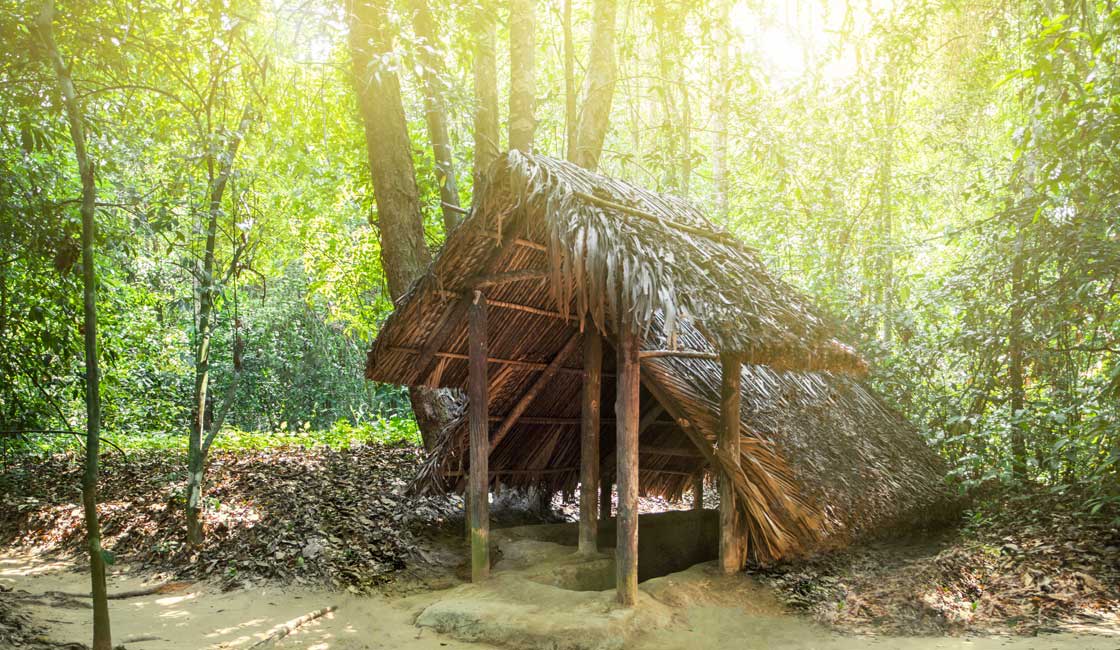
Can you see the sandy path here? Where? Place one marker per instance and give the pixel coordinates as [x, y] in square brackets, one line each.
[203, 617]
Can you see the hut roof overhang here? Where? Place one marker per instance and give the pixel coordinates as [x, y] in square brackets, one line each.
[556, 250]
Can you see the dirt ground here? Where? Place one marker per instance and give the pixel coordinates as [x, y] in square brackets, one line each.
[203, 616]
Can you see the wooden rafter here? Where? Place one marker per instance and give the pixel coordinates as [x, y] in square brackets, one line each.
[527, 398]
[680, 354]
[506, 277]
[454, 313]
[538, 311]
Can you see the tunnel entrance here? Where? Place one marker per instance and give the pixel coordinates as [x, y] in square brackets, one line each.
[667, 542]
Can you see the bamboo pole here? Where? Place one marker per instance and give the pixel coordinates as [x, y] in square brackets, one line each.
[729, 529]
[698, 491]
[589, 441]
[478, 392]
[627, 416]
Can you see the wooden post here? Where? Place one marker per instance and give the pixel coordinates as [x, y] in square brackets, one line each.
[478, 392]
[589, 441]
[698, 491]
[604, 498]
[730, 559]
[626, 421]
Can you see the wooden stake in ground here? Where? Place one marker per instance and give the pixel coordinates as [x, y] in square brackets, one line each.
[478, 392]
[626, 420]
[729, 529]
[589, 441]
[102, 637]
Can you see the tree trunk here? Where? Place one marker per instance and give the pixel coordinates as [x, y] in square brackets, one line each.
[404, 252]
[102, 636]
[196, 456]
[486, 138]
[1015, 358]
[569, 85]
[721, 113]
[598, 87]
[886, 214]
[435, 111]
[522, 75]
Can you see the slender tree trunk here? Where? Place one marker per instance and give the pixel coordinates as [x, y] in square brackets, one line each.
[1015, 358]
[435, 111]
[685, 133]
[102, 636]
[598, 87]
[569, 85]
[522, 73]
[404, 252]
[886, 209]
[486, 138]
[721, 113]
[208, 287]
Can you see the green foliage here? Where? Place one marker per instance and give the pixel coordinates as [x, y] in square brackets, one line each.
[941, 175]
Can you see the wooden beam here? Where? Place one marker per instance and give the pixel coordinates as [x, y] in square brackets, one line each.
[495, 279]
[542, 380]
[547, 471]
[730, 534]
[676, 452]
[478, 391]
[528, 365]
[589, 441]
[680, 354]
[626, 437]
[532, 419]
[548, 313]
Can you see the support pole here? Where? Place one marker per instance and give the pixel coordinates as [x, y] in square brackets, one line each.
[589, 441]
[478, 391]
[626, 420]
[730, 557]
[698, 491]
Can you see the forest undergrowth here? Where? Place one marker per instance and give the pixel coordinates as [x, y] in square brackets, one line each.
[1023, 560]
[337, 517]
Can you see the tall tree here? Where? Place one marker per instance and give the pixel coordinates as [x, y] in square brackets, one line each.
[404, 252]
[522, 74]
[487, 144]
[598, 87]
[432, 74]
[721, 111]
[569, 84]
[102, 635]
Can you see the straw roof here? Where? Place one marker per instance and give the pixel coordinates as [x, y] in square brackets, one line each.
[557, 249]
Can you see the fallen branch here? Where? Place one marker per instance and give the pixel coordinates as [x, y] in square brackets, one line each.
[292, 625]
[165, 588]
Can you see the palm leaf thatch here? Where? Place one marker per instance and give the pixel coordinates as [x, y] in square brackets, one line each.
[558, 249]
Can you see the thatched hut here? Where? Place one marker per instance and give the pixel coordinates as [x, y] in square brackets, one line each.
[714, 368]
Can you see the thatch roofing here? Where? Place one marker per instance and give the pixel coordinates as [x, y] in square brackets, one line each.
[557, 249]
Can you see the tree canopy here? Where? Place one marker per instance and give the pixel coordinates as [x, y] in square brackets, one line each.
[942, 176]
